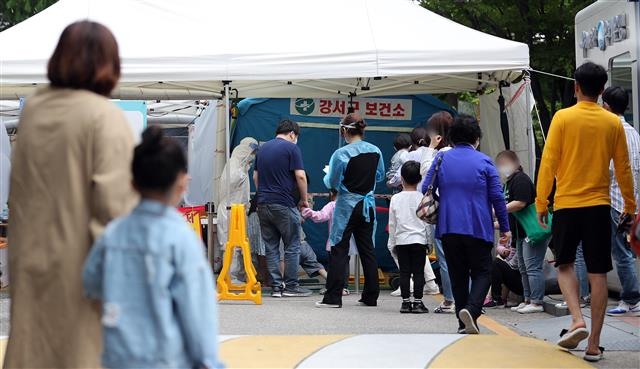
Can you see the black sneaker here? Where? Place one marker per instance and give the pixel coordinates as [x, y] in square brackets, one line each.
[362, 303]
[405, 308]
[470, 325]
[322, 304]
[296, 292]
[462, 331]
[419, 308]
[276, 293]
[494, 304]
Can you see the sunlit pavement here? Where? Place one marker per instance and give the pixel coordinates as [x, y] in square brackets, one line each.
[291, 332]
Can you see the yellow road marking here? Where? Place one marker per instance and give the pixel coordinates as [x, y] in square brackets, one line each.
[489, 323]
[272, 351]
[483, 351]
[3, 350]
[496, 327]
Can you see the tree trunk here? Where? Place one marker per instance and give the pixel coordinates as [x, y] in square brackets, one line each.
[545, 117]
[568, 94]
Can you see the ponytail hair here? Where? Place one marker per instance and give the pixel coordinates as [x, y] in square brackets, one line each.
[419, 138]
[353, 124]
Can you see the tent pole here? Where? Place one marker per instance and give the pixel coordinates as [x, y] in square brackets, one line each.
[530, 132]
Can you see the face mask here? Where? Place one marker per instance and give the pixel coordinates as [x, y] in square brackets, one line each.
[294, 138]
[506, 170]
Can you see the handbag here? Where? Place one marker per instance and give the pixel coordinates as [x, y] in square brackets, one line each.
[528, 219]
[428, 208]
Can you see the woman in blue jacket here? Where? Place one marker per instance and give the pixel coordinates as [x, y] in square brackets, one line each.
[354, 170]
[470, 190]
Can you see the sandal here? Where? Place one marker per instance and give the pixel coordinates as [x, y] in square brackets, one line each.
[594, 358]
[570, 340]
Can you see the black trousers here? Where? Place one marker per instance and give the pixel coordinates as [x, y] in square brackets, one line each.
[468, 257]
[346, 271]
[503, 274]
[363, 234]
[411, 260]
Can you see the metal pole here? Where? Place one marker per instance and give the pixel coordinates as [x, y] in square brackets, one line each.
[227, 150]
[357, 273]
[227, 137]
[530, 132]
[211, 248]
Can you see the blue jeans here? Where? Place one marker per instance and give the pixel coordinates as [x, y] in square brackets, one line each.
[277, 223]
[530, 262]
[444, 270]
[625, 262]
[581, 272]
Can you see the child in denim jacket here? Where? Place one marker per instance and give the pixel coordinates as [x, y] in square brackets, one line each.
[150, 274]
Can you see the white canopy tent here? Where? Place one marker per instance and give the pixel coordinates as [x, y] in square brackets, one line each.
[196, 49]
[285, 48]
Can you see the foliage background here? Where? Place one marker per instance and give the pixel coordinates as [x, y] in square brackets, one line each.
[547, 26]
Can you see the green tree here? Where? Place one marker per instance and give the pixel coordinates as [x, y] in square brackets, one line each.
[15, 11]
[547, 26]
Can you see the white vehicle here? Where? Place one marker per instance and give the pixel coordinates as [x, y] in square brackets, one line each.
[608, 33]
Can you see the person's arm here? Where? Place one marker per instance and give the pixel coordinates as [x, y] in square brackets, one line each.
[194, 299]
[514, 206]
[622, 169]
[296, 166]
[92, 272]
[111, 192]
[430, 174]
[427, 159]
[380, 169]
[334, 176]
[520, 192]
[549, 166]
[496, 197]
[395, 180]
[321, 216]
[301, 180]
[392, 224]
[255, 178]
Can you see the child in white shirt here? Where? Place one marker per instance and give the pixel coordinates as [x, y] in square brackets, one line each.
[408, 238]
[402, 144]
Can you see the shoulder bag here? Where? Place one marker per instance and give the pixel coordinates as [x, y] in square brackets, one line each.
[428, 208]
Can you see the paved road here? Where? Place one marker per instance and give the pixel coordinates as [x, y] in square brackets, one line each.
[379, 331]
[298, 316]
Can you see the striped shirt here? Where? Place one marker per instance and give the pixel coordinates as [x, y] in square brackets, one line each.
[633, 144]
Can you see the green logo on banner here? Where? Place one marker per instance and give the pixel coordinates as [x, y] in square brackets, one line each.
[305, 106]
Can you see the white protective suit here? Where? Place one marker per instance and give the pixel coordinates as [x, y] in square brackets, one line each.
[5, 165]
[234, 188]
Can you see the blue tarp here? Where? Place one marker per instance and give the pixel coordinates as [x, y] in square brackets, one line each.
[319, 138]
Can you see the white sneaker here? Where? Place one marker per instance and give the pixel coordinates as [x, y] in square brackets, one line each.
[516, 308]
[625, 309]
[531, 308]
[445, 309]
[398, 293]
[431, 289]
[563, 304]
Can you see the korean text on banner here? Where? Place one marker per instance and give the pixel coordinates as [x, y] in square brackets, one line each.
[378, 108]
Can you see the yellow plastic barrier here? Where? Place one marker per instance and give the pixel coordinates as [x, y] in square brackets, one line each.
[250, 291]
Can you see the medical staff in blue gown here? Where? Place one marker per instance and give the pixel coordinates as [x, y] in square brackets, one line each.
[354, 171]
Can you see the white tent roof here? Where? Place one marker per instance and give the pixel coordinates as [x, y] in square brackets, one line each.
[282, 48]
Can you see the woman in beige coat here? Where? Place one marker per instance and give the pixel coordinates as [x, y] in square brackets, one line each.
[70, 177]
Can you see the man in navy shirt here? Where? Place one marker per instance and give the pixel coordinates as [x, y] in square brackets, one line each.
[278, 172]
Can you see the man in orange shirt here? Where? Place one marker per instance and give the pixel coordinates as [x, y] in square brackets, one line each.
[582, 141]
